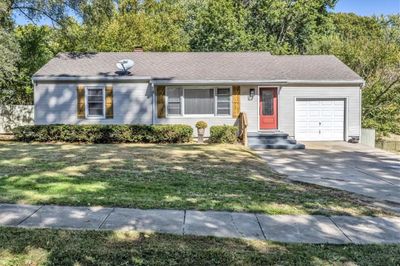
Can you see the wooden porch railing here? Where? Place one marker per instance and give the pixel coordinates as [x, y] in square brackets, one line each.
[243, 124]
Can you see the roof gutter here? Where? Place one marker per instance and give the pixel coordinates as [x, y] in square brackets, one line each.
[91, 78]
[360, 83]
[259, 82]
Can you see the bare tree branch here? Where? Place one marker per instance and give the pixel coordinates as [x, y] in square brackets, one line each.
[26, 15]
[22, 8]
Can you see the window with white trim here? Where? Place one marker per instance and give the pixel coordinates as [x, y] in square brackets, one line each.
[95, 102]
[223, 101]
[198, 101]
[174, 96]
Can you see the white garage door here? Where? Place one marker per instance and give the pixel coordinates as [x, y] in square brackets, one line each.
[319, 119]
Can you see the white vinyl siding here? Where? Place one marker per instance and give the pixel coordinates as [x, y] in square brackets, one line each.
[133, 104]
[57, 104]
[287, 101]
[250, 106]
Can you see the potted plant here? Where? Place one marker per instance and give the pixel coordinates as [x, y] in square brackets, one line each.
[201, 126]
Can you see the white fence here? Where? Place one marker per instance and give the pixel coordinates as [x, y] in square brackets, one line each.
[368, 136]
[15, 115]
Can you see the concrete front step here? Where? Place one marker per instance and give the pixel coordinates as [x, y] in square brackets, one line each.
[268, 135]
[287, 146]
[272, 140]
[262, 141]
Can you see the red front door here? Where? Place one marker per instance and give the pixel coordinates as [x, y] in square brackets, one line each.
[268, 108]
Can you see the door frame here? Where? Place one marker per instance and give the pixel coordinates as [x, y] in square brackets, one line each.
[346, 112]
[277, 106]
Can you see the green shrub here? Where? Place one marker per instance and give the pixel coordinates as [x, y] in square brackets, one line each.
[223, 134]
[105, 133]
[201, 125]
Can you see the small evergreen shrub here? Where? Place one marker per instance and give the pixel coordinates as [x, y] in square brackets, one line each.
[105, 133]
[223, 134]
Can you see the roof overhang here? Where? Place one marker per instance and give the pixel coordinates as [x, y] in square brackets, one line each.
[261, 82]
[177, 82]
[90, 78]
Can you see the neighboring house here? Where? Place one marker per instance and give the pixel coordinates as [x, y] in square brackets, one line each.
[307, 97]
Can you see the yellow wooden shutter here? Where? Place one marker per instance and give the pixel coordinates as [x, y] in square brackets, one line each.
[235, 101]
[80, 92]
[109, 102]
[160, 101]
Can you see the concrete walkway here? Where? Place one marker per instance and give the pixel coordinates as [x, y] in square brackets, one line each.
[282, 228]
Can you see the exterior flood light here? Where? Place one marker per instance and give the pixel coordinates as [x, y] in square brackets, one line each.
[252, 93]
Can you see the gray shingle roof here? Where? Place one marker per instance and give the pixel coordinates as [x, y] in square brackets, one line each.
[202, 66]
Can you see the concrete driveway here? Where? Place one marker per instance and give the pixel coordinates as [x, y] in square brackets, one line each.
[352, 167]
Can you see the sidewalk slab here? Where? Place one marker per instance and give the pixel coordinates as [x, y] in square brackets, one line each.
[165, 221]
[222, 224]
[282, 228]
[366, 230]
[12, 214]
[301, 229]
[67, 217]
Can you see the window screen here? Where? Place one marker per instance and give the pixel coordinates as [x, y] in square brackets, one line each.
[95, 101]
[199, 101]
[223, 101]
[174, 101]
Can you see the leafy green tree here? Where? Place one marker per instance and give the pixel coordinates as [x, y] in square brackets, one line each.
[37, 46]
[36, 49]
[220, 26]
[6, 21]
[153, 25]
[371, 47]
[96, 15]
[288, 26]
[9, 57]
[22, 54]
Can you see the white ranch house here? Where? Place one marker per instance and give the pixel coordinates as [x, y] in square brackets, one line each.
[306, 98]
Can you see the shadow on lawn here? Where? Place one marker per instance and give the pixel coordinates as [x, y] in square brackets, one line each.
[58, 247]
[159, 176]
[344, 166]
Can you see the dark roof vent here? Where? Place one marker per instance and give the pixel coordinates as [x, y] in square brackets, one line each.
[138, 49]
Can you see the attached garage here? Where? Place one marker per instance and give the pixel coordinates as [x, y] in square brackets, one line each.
[320, 119]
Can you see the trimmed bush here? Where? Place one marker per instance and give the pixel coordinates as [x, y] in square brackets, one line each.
[105, 133]
[223, 134]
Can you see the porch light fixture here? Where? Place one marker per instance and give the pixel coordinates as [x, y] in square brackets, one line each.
[252, 93]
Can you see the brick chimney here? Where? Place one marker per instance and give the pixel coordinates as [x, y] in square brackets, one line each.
[138, 49]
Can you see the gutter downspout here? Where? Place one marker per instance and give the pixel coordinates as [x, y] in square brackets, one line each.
[362, 86]
[153, 102]
[34, 84]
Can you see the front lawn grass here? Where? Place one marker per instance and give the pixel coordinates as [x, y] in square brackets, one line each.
[203, 177]
[59, 247]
